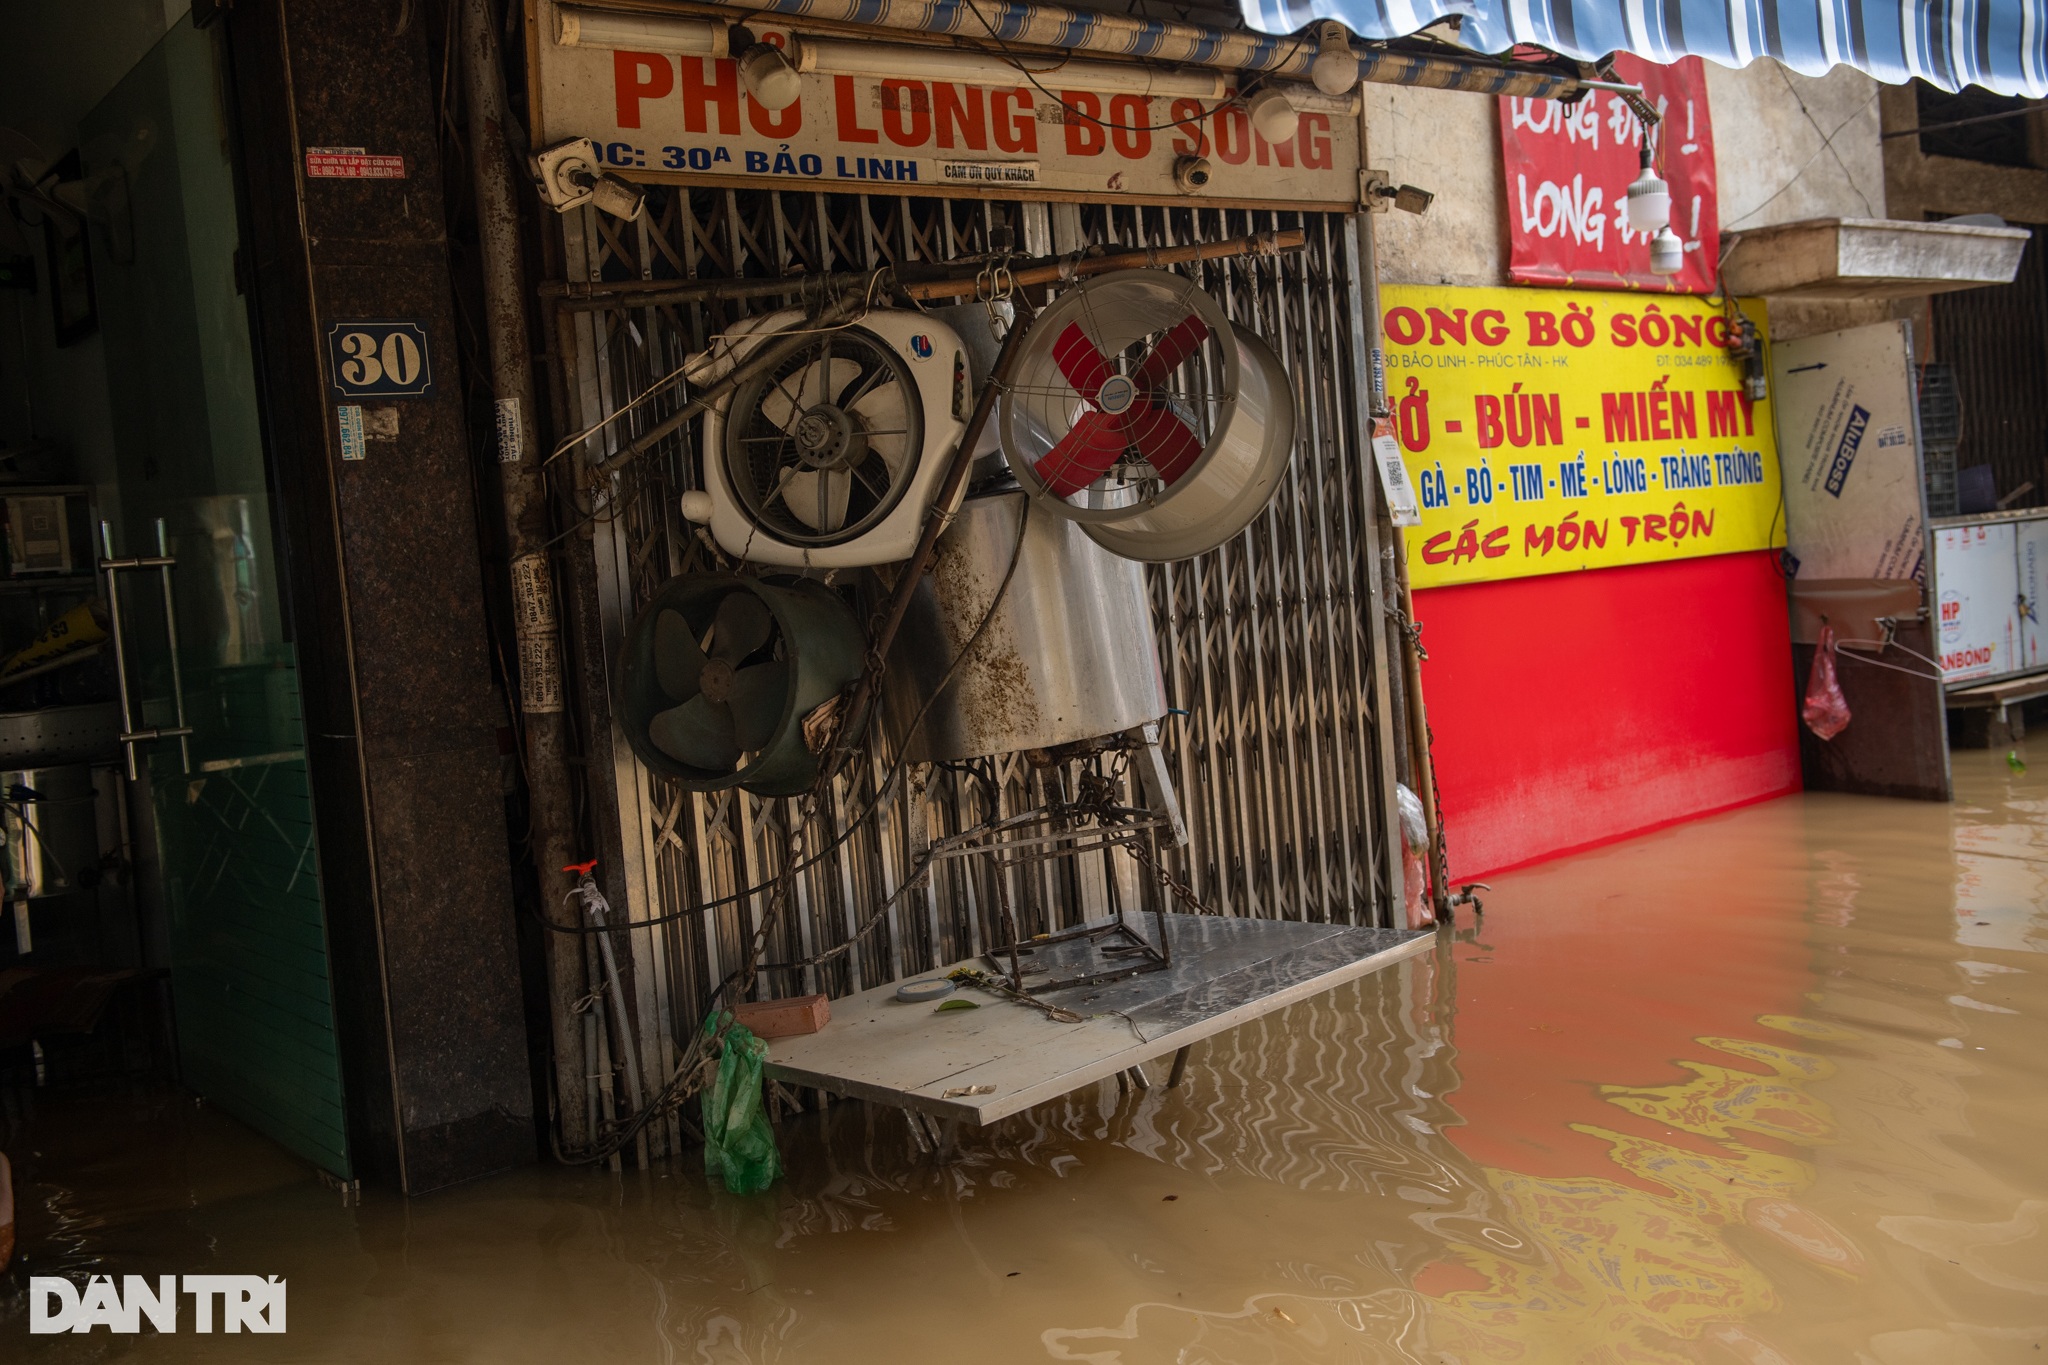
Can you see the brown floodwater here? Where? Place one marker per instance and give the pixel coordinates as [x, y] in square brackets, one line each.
[1767, 1088]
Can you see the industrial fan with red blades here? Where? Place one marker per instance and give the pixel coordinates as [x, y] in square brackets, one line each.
[1140, 411]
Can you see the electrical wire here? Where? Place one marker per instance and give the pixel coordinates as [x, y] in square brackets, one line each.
[1960, 123]
[684, 1080]
[1895, 668]
[569, 443]
[1015, 62]
[1827, 145]
[875, 917]
[1890, 641]
[882, 788]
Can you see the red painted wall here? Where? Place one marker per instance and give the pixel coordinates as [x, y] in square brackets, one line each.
[1579, 708]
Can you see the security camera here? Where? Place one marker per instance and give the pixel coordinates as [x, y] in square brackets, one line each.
[1191, 174]
[570, 175]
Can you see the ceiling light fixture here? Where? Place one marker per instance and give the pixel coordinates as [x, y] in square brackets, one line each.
[1649, 198]
[771, 79]
[1667, 253]
[1335, 69]
[1274, 116]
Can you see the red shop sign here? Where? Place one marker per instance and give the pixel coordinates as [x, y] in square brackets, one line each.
[1568, 172]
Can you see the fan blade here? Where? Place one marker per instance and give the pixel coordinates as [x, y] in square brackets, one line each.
[818, 497]
[699, 733]
[1174, 346]
[886, 416]
[1083, 455]
[758, 694]
[827, 381]
[677, 658]
[790, 397]
[1168, 444]
[742, 626]
[1079, 361]
[782, 402]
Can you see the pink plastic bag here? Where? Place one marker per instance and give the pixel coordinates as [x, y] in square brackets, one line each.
[1826, 711]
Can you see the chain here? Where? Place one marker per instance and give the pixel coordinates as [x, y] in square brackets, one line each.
[993, 287]
[1172, 885]
[1410, 628]
[1097, 792]
[1440, 854]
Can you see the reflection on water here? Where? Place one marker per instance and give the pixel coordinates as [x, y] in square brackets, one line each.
[1763, 1089]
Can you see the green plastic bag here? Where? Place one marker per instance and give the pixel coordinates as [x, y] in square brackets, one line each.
[738, 1143]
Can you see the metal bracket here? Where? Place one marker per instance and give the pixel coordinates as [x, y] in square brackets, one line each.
[1156, 782]
[1375, 191]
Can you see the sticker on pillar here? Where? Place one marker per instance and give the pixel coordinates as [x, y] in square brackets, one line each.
[379, 359]
[1386, 453]
[350, 416]
[511, 432]
[352, 163]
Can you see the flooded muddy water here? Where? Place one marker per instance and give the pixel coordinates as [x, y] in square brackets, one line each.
[1764, 1088]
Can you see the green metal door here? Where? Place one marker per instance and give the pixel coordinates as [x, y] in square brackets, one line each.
[239, 866]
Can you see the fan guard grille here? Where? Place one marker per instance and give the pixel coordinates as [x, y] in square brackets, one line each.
[1127, 382]
[820, 449]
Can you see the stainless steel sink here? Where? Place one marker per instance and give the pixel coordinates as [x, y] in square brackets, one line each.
[60, 734]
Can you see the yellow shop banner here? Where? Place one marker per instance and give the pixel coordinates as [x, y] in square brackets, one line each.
[1547, 430]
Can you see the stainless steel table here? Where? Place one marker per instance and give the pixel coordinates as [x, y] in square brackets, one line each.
[977, 1066]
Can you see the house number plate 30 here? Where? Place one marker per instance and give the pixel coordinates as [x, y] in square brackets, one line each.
[379, 359]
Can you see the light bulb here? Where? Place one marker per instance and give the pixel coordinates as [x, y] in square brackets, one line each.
[1335, 69]
[1273, 117]
[1649, 202]
[769, 77]
[1667, 253]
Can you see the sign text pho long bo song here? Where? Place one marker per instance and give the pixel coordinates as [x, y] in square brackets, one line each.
[659, 116]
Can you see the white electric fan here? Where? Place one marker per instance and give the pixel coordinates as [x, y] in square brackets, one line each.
[832, 458]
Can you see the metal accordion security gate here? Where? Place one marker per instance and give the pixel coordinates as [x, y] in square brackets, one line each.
[1272, 647]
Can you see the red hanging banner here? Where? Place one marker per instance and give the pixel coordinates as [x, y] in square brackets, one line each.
[1568, 171]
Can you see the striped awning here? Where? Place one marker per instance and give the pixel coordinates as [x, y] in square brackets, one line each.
[1999, 44]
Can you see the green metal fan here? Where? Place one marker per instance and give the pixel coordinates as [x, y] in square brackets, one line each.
[718, 672]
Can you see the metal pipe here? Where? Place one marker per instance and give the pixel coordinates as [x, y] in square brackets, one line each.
[1403, 715]
[578, 27]
[1004, 24]
[629, 1047]
[1420, 762]
[859, 286]
[1409, 685]
[1416, 715]
[952, 283]
[940, 517]
[184, 732]
[110, 566]
[524, 507]
[859, 57]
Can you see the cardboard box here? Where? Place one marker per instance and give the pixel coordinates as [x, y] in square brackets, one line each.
[785, 1018]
